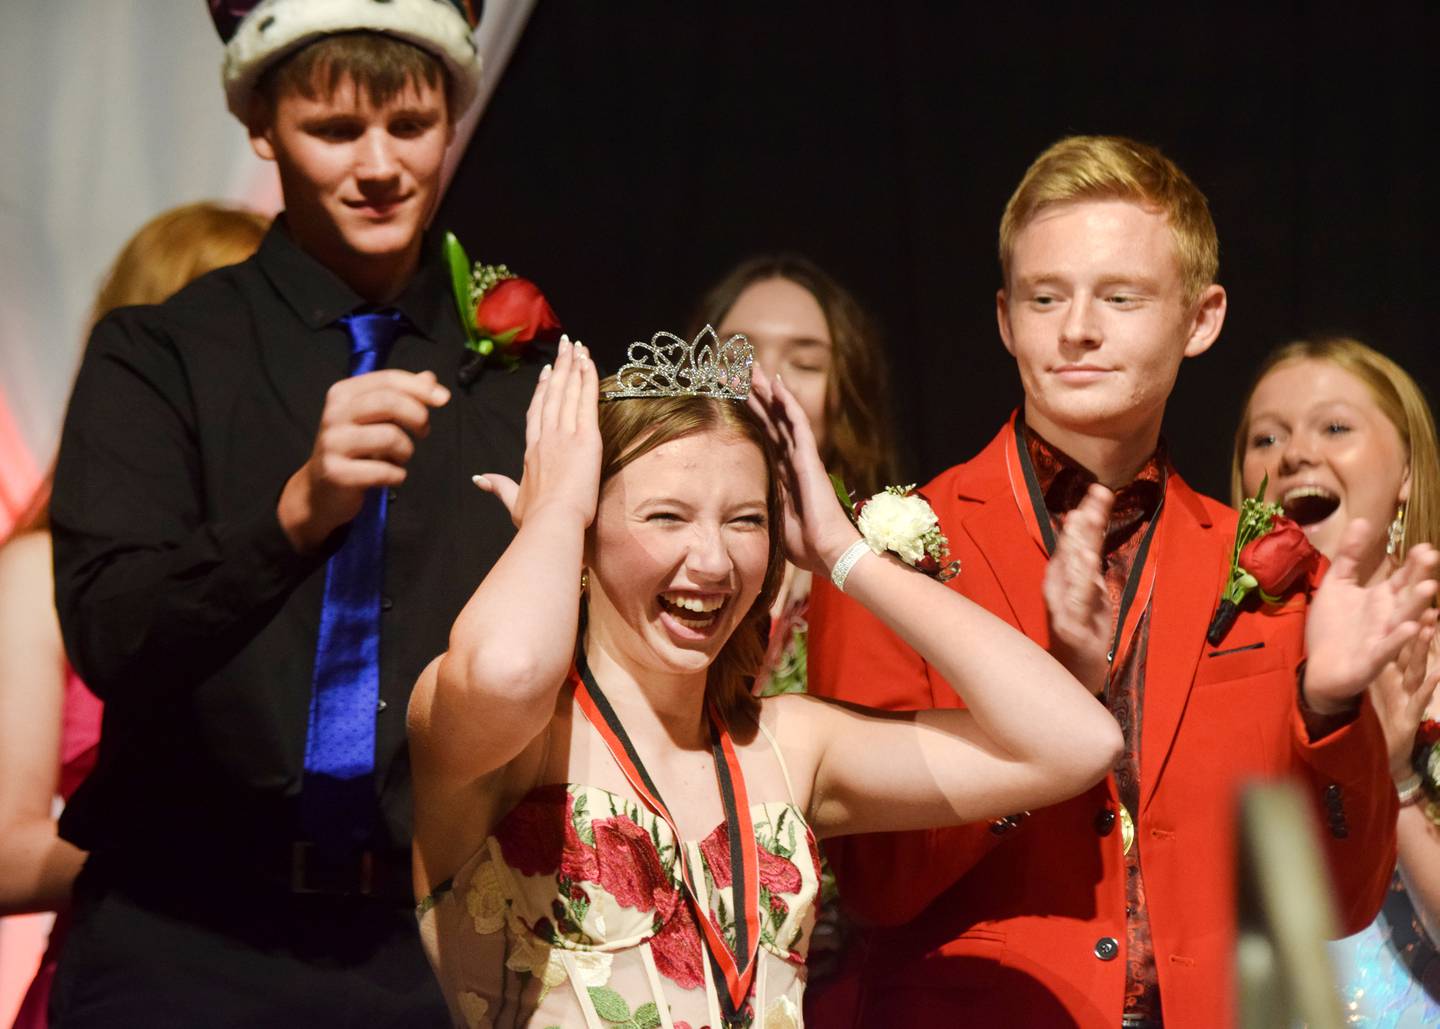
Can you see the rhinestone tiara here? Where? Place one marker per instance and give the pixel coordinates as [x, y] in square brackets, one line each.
[669, 366]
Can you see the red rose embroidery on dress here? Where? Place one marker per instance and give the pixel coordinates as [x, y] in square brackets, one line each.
[539, 831]
[677, 951]
[776, 873]
[629, 867]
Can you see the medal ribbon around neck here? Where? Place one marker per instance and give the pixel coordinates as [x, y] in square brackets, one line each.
[736, 967]
[1030, 499]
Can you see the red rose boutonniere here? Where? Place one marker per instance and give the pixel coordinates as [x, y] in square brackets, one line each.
[500, 312]
[1272, 555]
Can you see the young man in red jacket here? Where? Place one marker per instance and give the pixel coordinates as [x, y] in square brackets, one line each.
[1117, 907]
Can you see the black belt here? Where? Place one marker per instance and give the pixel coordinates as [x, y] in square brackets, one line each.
[383, 875]
[272, 872]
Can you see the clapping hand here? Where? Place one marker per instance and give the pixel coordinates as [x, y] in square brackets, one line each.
[1353, 631]
[562, 441]
[817, 530]
[1402, 691]
[1076, 600]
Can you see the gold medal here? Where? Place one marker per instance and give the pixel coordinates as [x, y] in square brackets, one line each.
[1127, 829]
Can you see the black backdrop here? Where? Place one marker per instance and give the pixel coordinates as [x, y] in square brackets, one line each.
[634, 151]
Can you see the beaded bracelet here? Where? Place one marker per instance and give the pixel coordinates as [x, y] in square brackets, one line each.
[841, 571]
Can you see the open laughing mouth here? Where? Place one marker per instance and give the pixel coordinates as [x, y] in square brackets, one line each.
[693, 612]
[1308, 505]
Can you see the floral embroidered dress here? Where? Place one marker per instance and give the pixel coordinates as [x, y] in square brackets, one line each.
[573, 913]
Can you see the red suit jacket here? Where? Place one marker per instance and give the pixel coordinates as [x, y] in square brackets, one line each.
[988, 925]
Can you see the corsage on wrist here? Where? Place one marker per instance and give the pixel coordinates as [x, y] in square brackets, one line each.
[501, 313]
[1425, 760]
[898, 521]
[1272, 555]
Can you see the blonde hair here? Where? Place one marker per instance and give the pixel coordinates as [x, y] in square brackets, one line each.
[1399, 399]
[168, 252]
[630, 429]
[175, 248]
[859, 434]
[1114, 168]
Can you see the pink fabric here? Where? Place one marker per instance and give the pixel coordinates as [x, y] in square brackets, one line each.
[79, 734]
[79, 743]
[18, 474]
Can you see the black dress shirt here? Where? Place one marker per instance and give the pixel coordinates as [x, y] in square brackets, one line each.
[182, 603]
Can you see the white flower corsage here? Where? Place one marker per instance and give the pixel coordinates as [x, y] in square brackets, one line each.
[899, 521]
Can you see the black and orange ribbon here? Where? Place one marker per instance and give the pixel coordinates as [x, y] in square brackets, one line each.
[737, 967]
[1030, 499]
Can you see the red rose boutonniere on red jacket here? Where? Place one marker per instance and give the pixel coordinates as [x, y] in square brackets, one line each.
[501, 313]
[1272, 555]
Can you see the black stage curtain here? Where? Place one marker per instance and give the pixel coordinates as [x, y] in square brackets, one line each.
[634, 151]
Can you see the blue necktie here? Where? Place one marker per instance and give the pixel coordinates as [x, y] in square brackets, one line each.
[337, 802]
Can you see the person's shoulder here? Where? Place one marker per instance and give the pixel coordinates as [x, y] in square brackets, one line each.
[1212, 513]
[207, 309]
[972, 480]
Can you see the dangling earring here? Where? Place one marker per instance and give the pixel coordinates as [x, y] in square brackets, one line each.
[584, 579]
[1396, 535]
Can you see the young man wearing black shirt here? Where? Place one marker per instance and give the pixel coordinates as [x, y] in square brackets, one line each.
[254, 596]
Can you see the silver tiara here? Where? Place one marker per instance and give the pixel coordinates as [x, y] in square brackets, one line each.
[668, 366]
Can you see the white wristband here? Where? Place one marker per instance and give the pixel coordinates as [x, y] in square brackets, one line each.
[1407, 790]
[854, 552]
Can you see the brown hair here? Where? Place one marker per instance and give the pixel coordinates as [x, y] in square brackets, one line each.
[1399, 399]
[1114, 168]
[381, 65]
[630, 429]
[859, 434]
[170, 251]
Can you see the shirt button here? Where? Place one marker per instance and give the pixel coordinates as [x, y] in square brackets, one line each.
[1104, 821]
[380, 705]
[386, 603]
[1106, 948]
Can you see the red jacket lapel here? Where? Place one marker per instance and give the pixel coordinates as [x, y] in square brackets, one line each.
[1013, 563]
[1189, 577]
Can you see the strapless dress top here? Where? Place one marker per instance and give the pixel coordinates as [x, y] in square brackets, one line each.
[573, 913]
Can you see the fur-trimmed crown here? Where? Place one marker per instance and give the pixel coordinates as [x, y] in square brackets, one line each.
[257, 33]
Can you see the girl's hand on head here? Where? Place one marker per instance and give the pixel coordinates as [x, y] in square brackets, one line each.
[562, 442]
[817, 530]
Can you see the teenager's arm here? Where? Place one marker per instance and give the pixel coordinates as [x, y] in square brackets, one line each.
[37, 868]
[154, 591]
[1400, 697]
[884, 878]
[1352, 632]
[1419, 848]
[493, 691]
[1031, 734]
